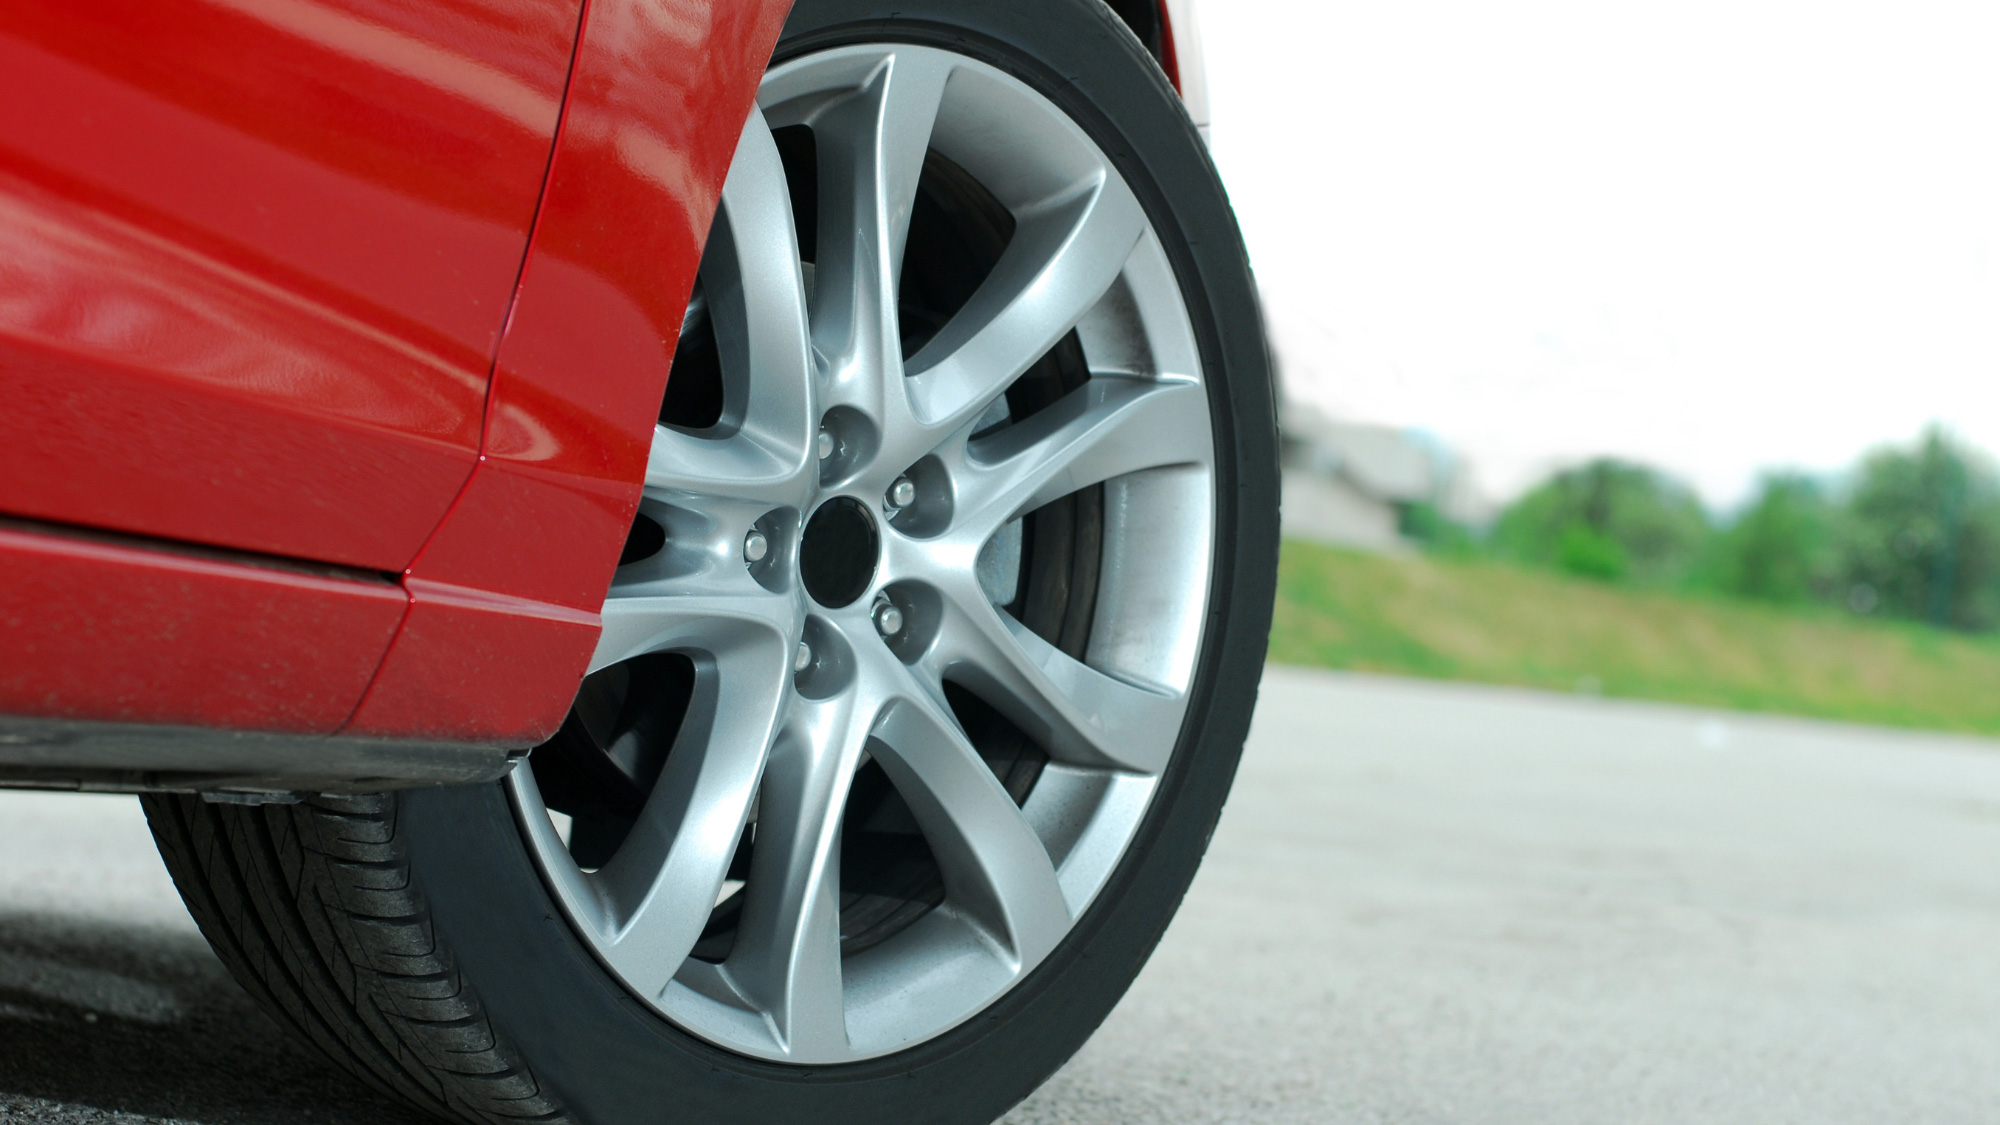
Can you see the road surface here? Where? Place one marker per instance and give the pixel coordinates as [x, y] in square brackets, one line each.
[1426, 903]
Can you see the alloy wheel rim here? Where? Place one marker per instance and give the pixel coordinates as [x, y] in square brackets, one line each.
[820, 599]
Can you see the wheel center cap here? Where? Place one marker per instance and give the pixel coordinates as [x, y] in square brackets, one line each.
[838, 551]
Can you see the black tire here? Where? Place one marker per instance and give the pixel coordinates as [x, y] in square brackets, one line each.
[411, 938]
[315, 910]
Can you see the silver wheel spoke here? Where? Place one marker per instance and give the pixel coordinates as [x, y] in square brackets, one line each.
[1061, 260]
[995, 867]
[693, 619]
[660, 885]
[787, 955]
[755, 296]
[871, 153]
[741, 466]
[1104, 429]
[1081, 715]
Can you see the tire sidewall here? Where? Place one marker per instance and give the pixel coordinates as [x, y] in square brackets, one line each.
[613, 1060]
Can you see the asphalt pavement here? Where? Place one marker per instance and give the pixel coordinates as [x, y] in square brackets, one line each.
[1426, 903]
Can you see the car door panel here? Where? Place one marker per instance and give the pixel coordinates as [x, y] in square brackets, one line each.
[146, 391]
[100, 629]
[258, 256]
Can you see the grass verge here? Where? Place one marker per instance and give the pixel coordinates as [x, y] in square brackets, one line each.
[1495, 623]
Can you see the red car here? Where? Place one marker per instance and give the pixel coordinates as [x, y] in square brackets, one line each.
[651, 560]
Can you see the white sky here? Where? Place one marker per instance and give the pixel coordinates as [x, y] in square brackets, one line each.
[1711, 236]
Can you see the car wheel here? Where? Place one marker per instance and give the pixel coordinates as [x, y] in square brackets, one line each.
[927, 666]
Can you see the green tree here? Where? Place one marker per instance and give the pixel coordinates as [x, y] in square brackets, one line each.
[1423, 524]
[1780, 549]
[1920, 536]
[1608, 520]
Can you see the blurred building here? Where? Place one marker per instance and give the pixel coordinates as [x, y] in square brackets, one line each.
[1354, 484]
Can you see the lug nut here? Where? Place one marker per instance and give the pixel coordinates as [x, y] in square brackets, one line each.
[888, 618]
[755, 547]
[826, 444]
[803, 658]
[903, 493]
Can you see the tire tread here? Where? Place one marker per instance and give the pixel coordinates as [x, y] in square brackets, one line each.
[313, 909]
